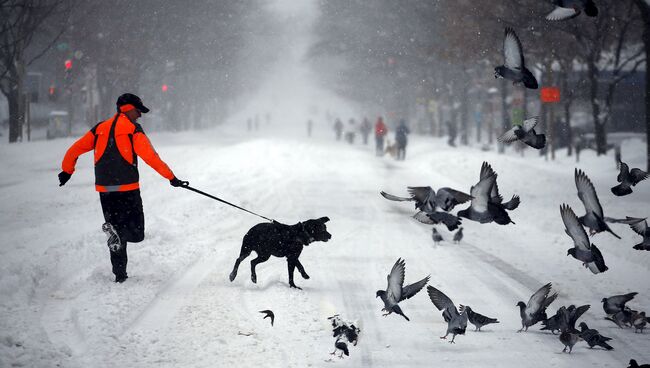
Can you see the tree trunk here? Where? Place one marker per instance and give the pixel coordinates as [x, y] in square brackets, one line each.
[646, 43]
[599, 128]
[16, 115]
[464, 114]
[567, 126]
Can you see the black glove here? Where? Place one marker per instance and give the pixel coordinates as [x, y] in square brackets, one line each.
[178, 183]
[63, 178]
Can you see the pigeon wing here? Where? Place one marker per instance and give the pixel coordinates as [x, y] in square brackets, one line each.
[530, 124]
[424, 218]
[640, 226]
[512, 50]
[509, 136]
[481, 193]
[414, 288]
[562, 14]
[452, 196]
[624, 171]
[598, 265]
[638, 175]
[395, 282]
[537, 300]
[439, 299]
[391, 197]
[421, 195]
[587, 193]
[573, 228]
[486, 170]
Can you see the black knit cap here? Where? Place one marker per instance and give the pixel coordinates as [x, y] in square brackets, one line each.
[130, 98]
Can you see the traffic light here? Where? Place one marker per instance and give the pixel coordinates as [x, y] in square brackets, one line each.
[52, 93]
[164, 88]
[68, 65]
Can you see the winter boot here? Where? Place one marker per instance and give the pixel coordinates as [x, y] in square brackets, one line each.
[113, 242]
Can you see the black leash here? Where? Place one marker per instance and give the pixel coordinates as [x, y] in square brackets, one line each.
[226, 202]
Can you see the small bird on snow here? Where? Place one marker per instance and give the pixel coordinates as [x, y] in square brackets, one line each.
[535, 310]
[593, 337]
[627, 179]
[569, 339]
[458, 236]
[435, 235]
[568, 9]
[456, 322]
[477, 319]
[634, 364]
[395, 291]
[616, 303]
[525, 133]
[514, 67]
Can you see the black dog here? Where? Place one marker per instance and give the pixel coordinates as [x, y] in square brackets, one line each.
[280, 240]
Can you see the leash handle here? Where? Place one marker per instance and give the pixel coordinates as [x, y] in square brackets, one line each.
[222, 201]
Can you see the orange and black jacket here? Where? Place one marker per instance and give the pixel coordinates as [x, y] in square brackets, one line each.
[117, 143]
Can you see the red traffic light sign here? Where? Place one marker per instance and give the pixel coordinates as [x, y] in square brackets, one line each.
[164, 88]
[68, 64]
[550, 94]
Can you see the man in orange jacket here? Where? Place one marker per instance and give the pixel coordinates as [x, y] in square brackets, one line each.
[117, 142]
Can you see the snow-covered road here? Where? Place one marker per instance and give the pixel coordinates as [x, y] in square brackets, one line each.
[60, 306]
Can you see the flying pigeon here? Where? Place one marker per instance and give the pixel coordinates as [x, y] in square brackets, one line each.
[639, 321]
[593, 338]
[582, 249]
[616, 303]
[568, 9]
[437, 217]
[339, 344]
[628, 179]
[593, 218]
[456, 322]
[458, 236]
[478, 320]
[426, 199]
[569, 339]
[640, 226]
[634, 364]
[396, 292]
[514, 67]
[268, 313]
[535, 310]
[525, 133]
[435, 235]
[487, 204]
[572, 315]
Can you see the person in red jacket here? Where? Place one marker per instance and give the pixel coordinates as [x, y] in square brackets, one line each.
[117, 144]
[380, 132]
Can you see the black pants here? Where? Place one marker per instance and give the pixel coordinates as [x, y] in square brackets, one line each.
[124, 211]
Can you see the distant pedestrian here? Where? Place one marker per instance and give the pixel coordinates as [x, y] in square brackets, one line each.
[310, 126]
[249, 124]
[401, 139]
[338, 128]
[380, 132]
[351, 131]
[451, 130]
[365, 130]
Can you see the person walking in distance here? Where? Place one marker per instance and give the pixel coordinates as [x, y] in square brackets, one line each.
[117, 143]
[366, 127]
[338, 128]
[380, 132]
[400, 138]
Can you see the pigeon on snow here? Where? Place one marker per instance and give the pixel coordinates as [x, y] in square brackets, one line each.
[525, 133]
[487, 204]
[568, 9]
[456, 322]
[616, 303]
[458, 236]
[535, 310]
[514, 67]
[435, 235]
[582, 249]
[555, 322]
[639, 321]
[627, 179]
[634, 364]
[437, 217]
[593, 337]
[593, 218]
[569, 339]
[477, 319]
[396, 292]
[623, 318]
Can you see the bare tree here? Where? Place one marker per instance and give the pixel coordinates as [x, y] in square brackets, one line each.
[21, 20]
[644, 8]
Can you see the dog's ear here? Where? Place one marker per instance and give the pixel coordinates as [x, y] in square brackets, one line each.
[324, 219]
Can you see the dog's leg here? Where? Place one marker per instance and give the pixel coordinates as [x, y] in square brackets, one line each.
[245, 252]
[254, 263]
[301, 269]
[291, 266]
